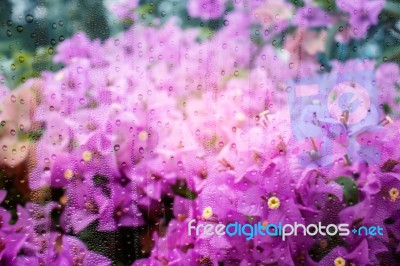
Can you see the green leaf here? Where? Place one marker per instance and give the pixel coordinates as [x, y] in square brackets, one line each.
[100, 180]
[392, 9]
[326, 4]
[387, 109]
[180, 188]
[298, 3]
[146, 13]
[102, 242]
[319, 251]
[205, 34]
[33, 135]
[389, 55]
[350, 190]
[330, 38]
[249, 218]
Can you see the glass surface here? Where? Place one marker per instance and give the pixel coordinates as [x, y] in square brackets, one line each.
[199, 132]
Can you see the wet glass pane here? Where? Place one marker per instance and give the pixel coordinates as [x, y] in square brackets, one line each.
[199, 132]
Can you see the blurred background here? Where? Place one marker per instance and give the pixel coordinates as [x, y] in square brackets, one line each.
[31, 30]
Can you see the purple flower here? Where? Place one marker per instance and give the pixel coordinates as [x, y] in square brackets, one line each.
[272, 198]
[223, 191]
[316, 194]
[17, 240]
[206, 9]
[363, 13]
[339, 256]
[85, 204]
[10, 245]
[121, 210]
[68, 250]
[36, 218]
[311, 16]
[79, 46]
[124, 9]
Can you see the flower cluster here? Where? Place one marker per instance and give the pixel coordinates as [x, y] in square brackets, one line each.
[21, 243]
[161, 114]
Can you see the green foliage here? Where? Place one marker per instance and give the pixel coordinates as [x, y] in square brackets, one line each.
[298, 3]
[328, 5]
[180, 188]
[392, 8]
[27, 46]
[350, 189]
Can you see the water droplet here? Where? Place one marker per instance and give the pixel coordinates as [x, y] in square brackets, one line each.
[20, 28]
[29, 18]
[116, 147]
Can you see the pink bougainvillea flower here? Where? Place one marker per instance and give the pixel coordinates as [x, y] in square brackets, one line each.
[363, 14]
[206, 9]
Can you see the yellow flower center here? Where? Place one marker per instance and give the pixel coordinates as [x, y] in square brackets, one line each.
[274, 203]
[68, 174]
[207, 212]
[59, 76]
[240, 116]
[339, 261]
[64, 200]
[394, 194]
[87, 156]
[143, 135]
[265, 223]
